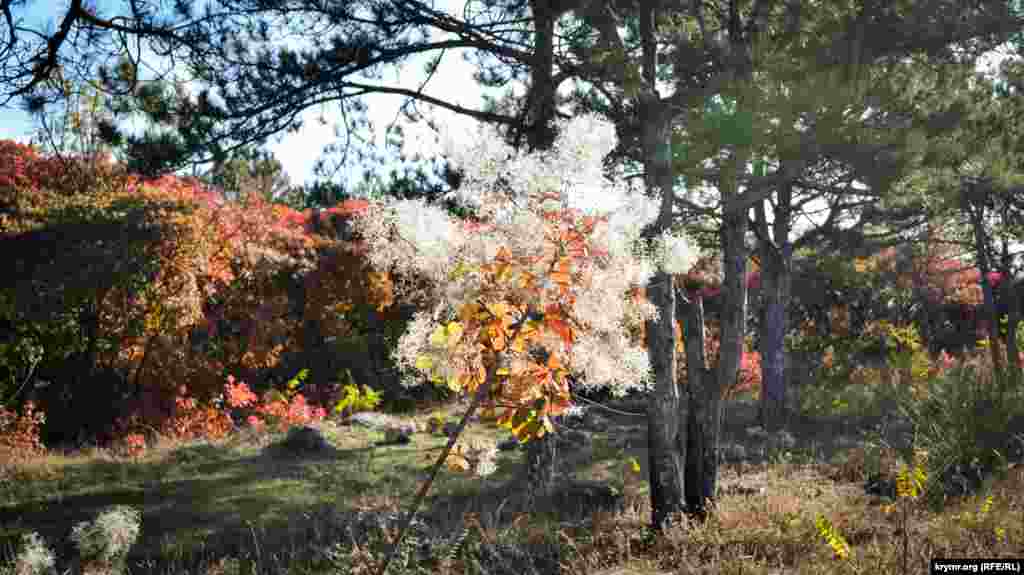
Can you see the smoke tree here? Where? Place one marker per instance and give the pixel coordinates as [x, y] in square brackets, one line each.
[512, 192]
[508, 189]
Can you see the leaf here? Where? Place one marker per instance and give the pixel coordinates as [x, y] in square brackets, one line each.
[503, 254]
[519, 343]
[439, 337]
[561, 328]
[457, 462]
[499, 310]
[634, 465]
[460, 270]
[497, 334]
[455, 331]
[521, 417]
[424, 363]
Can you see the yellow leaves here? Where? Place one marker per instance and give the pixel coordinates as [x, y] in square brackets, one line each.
[500, 311]
[832, 537]
[447, 335]
[472, 455]
[526, 280]
[986, 507]
[456, 461]
[455, 383]
[910, 483]
[379, 289]
[460, 270]
[424, 363]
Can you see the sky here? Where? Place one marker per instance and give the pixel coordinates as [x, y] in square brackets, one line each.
[453, 82]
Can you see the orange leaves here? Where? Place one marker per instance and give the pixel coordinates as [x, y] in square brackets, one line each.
[562, 328]
[495, 331]
[503, 328]
[562, 275]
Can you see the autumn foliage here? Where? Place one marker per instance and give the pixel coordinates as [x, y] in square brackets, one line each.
[202, 290]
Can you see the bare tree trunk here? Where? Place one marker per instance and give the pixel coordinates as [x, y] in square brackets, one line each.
[776, 270]
[772, 409]
[701, 425]
[734, 312]
[666, 408]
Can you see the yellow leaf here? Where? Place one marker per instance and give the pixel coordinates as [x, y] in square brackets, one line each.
[459, 271]
[497, 337]
[518, 344]
[439, 336]
[634, 465]
[455, 331]
[457, 462]
[498, 310]
[469, 311]
[424, 363]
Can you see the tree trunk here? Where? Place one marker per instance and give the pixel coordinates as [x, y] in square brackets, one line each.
[772, 409]
[776, 269]
[703, 421]
[541, 454]
[667, 407]
[973, 203]
[734, 287]
[775, 288]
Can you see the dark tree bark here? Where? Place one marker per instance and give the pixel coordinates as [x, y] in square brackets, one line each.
[704, 419]
[974, 199]
[776, 272]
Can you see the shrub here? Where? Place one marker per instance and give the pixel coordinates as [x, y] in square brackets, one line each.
[34, 557]
[354, 399]
[109, 537]
[19, 433]
[961, 420]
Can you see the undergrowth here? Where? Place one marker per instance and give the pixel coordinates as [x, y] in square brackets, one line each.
[339, 514]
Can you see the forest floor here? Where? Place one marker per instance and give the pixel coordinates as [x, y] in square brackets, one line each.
[247, 505]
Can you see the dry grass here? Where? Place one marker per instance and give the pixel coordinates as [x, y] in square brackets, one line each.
[241, 506]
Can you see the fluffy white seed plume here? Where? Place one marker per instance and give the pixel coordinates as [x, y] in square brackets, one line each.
[511, 190]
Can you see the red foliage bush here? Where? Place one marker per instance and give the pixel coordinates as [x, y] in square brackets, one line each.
[19, 433]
